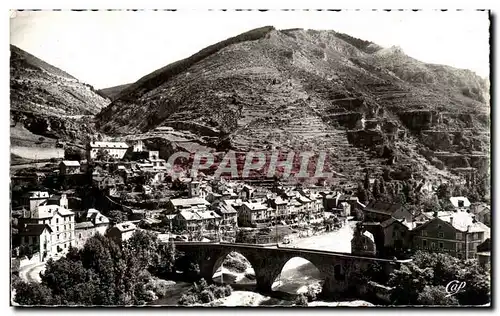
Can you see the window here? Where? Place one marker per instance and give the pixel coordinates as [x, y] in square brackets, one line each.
[57, 220]
[80, 235]
[424, 242]
[64, 227]
[459, 236]
[441, 246]
[458, 246]
[57, 236]
[433, 245]
[57, 228]
[424, 233]
[474, 236]
[440, 226]
[441, 235]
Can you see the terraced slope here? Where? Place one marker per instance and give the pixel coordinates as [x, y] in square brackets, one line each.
[370, 107]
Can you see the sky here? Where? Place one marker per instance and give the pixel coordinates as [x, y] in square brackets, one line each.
[109, 48]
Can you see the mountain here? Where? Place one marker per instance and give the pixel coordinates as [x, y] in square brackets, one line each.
[371, 108]
[49, 102]
[113, 92]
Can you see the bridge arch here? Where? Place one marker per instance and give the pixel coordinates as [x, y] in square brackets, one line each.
[233, 267]
[297, 275]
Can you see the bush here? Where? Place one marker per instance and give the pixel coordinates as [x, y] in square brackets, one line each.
[187, 299]
[228, 290]
[235, 264]
[206, 296]
[312, 292]
[219, 292]
[301, 300]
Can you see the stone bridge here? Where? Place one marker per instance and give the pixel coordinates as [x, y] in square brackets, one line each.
[268, 261]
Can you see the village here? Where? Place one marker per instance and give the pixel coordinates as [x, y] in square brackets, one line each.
[120, 188]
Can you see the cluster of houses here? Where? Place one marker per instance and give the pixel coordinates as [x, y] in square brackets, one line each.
[215, 205]
[50, 228]
[389, 229]
[221, 204]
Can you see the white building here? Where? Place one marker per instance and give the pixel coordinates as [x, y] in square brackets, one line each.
[114, 149]
[61, 221]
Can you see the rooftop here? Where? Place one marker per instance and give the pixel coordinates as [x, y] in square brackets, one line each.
[34, 229]
[71, 163]
[188, 202]
[108, 145]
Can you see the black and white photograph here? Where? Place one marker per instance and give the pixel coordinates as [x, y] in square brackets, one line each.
[250, 158]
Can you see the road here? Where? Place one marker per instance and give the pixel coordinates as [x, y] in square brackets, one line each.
[31, 272]
[336, 241]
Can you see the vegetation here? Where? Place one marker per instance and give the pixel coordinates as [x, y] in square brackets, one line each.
[101, 273]
[423, 281]
[202, 293]
[301, 300]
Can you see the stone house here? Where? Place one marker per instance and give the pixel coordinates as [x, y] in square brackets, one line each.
[252, 213]
[363, 242]
[377, 211]
[228, 214]
[187, 220]
[61, 221]
[455, 233]
[38, 236]
[67, 167]
[121, 232]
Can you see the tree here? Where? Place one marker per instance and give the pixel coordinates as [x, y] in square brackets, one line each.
[376, 189]
[116, 217]
[443, 191]
[102, 155]
[301, 300]
[436, 295]
[144, 245]
[33, 294]
[366, 182]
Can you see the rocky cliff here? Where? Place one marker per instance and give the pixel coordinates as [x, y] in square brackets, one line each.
[369, 107]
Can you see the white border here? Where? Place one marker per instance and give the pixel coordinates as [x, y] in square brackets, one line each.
[146, 4]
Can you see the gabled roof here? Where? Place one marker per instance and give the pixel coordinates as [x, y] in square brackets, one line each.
[125, 226]
[84, 225]
[48, 211]
[117, 145]
[34, 229]
[382, 207]
[70, 163]
[189, 215]
[207, 214]
[255, 206]
[455, 199]
[189, 202]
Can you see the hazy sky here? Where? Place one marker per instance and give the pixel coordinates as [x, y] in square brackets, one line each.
[108, 48]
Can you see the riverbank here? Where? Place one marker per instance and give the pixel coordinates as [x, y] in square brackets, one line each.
[246, 298]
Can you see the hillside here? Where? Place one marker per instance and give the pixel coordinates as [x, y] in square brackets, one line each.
[113, 92]
[369, 107]
[49, 102]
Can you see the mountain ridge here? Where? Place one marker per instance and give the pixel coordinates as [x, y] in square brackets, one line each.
[301, 89]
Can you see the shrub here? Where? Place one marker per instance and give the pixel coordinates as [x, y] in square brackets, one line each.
[187, 299]
[312, 293]
[206, 296]
[301, 300]
[219, 292]
[228, 290]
